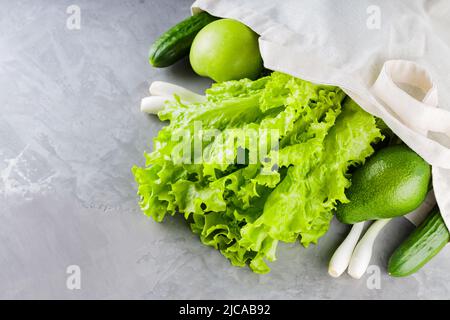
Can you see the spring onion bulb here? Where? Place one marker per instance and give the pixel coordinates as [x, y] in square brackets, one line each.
[165, 89]
[153, 104]
[363, 252]
[341, 257]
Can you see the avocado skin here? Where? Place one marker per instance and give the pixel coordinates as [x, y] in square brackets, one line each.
[393, 182]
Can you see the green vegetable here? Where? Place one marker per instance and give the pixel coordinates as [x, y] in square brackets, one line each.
[244, 210]
[420, 247]
[174, 44]
[392, 183]
[226, 50]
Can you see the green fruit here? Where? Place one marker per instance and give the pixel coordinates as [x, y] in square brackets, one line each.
[422, 245]
[226, 50]
[174, 44]
[393, 182]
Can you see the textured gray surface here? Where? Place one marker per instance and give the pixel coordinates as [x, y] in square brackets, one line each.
[70, 130]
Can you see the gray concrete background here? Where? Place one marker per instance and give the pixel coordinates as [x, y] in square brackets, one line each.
[70, 130]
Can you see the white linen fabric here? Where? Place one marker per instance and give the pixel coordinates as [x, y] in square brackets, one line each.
[391, 57]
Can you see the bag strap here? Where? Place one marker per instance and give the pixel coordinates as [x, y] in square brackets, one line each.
[421, 116]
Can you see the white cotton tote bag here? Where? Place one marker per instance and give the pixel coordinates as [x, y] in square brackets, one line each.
[391, 57]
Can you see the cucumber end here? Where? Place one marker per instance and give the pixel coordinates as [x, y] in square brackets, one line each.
[399, 274]
[151, 56]
[396, 269]
[157, 63]
[152, 62]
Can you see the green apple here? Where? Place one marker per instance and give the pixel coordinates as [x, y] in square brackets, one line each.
[226, 50]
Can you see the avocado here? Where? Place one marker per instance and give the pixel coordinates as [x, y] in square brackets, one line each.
[393, 182]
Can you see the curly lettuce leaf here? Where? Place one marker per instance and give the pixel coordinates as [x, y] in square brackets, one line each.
[302, 205]
[244, 210]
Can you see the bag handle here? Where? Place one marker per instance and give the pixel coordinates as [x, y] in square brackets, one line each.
[420, 116]
[415, 114]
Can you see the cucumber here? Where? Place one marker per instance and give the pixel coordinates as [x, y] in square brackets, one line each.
[174, 44]
[422, 245]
